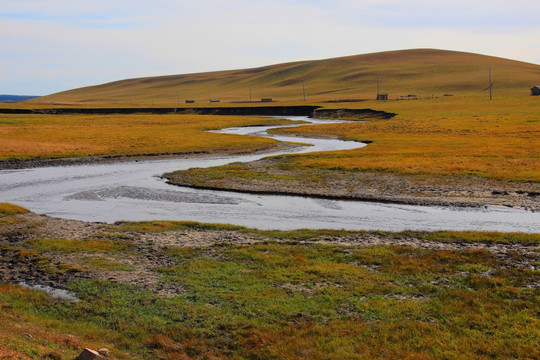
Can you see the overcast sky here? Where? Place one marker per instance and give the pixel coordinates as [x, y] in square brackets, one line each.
[48, 46]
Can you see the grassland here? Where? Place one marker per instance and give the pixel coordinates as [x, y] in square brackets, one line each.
[421, 72]
[242, 293]
[51, 136]
[465, 137]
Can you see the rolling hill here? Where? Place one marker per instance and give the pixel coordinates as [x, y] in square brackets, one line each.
[422, 72]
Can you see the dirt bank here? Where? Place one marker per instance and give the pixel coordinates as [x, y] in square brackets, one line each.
[300, 110]
[6, 164]
[264, 176]
[214, 110]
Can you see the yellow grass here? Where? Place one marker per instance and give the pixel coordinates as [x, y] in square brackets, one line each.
[457, 136]
[421, 72]
[49, 136]
[7, 209]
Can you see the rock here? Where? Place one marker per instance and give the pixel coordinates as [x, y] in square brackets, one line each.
[89, 354]
[104, 352]
[53, 356]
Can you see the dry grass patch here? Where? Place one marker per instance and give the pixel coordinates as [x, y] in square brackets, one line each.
[460, 137]
[7, 209]
[52, 136]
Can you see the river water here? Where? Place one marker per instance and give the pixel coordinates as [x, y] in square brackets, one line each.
[134, 191]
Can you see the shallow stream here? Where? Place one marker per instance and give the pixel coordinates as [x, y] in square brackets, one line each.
[134, 191]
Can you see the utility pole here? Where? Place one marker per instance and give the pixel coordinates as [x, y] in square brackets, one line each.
[490, 86]
[378, 89]
[303, 90]
[250, 94]
[209, 98]
[177, 98]
[152, 100]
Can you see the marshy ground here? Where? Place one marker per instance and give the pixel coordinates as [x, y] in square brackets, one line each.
[181, 290]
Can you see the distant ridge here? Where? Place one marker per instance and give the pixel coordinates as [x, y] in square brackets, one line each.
[16, 98]
[420, 72]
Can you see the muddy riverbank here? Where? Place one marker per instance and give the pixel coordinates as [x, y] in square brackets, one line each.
[266, 176]
[12, 164]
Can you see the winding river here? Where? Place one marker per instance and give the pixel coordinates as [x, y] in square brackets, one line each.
[134, 191]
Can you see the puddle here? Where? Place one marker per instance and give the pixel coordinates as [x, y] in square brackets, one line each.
[53, 292]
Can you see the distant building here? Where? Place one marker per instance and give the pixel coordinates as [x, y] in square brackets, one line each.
[382, 96]
[535, 90]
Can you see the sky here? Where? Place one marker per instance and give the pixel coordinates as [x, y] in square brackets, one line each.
[47, 46]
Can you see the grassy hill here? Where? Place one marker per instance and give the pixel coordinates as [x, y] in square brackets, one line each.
[422, 72]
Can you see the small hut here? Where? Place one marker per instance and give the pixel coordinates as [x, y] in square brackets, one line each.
[535, 90]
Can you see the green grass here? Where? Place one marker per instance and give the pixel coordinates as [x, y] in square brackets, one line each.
[476, 236]
[70, 245]
[160, 226]
[273, 300]
[311, 234]
[285, 297]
